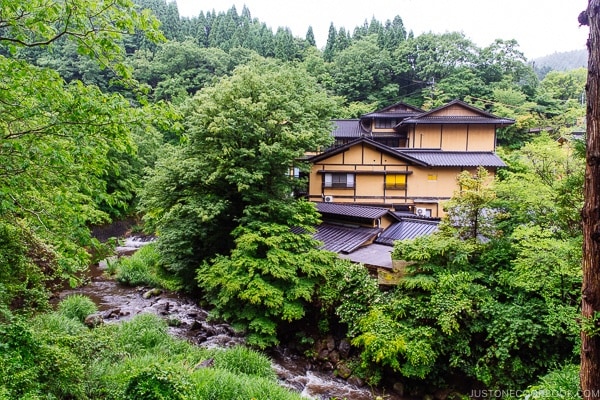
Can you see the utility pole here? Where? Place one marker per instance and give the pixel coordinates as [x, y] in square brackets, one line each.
[590, 291]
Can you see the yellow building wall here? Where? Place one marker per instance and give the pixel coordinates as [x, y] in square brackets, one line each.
[454, 137]
[427, 137]
[421, 186]
[369, 186]
[454, 111]
[425, 188]
[482, 138]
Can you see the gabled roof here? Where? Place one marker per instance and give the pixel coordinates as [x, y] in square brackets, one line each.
[436, 117]
[344, 239]
[352, 210]
[397, 110]
[439, 158]
[364, 140]
[347, 128]
[422, 157]
[407, 228]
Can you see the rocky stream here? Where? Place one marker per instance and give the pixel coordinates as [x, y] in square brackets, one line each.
[117, 302]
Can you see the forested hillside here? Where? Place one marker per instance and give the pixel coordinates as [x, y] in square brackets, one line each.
[563, 61]
[112, 110]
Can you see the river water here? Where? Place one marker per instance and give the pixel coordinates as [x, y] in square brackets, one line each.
[117, 302]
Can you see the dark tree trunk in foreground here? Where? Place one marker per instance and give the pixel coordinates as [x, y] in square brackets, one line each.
[590, 346]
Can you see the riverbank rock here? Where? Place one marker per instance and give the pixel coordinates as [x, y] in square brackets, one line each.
[344, 348]
[152, 293]
[93, 320]
[356, 381]
[107, 262]
[112, 313]
[343, 371]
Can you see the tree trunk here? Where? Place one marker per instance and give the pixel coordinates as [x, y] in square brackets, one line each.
[590, 344]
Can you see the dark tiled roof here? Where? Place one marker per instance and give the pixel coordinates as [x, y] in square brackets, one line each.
[396, 114]
[396, 109]
[438, 158]
[407, 228]
[482, 117]
[344, 239]
[386, 149]
[466, 119]
[347, 128]
[350, 210]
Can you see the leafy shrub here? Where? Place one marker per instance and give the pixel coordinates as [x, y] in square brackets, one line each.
[560, 384]
[349, 292]
[77, 306]
[157, 382]
[272, 276]
[61, 371]
[26, 267]
[39, 363]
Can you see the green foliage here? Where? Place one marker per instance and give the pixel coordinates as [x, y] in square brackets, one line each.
[242, 360]
[348, 291]
[157, 382]
[271, 275]
[77, 306]
[177, 70]
[144, 268]
[43, 359]
[244, 134]
[53, 356]
[469, 212]
[386, 342]
[500, 311]
[543, 186]
[360, 78]
[63, 144]
[27, 268]
[560, 383]
[218, 384]
[591, 325]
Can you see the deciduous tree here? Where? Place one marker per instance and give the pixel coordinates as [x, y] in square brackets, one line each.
[243, 136]
[56, 137]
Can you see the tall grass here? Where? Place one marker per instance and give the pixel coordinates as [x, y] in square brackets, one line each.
[77, 306]
[219, 384]
[242, 360]
[55, 356]
[143, 268]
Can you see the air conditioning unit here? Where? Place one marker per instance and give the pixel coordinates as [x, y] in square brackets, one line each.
[422, 212]
[328, 199]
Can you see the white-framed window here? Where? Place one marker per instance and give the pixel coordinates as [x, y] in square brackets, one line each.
[338, 180]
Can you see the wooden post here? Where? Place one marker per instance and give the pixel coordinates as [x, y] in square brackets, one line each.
[590, 344]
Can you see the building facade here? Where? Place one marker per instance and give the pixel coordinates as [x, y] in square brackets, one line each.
[404, 158]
